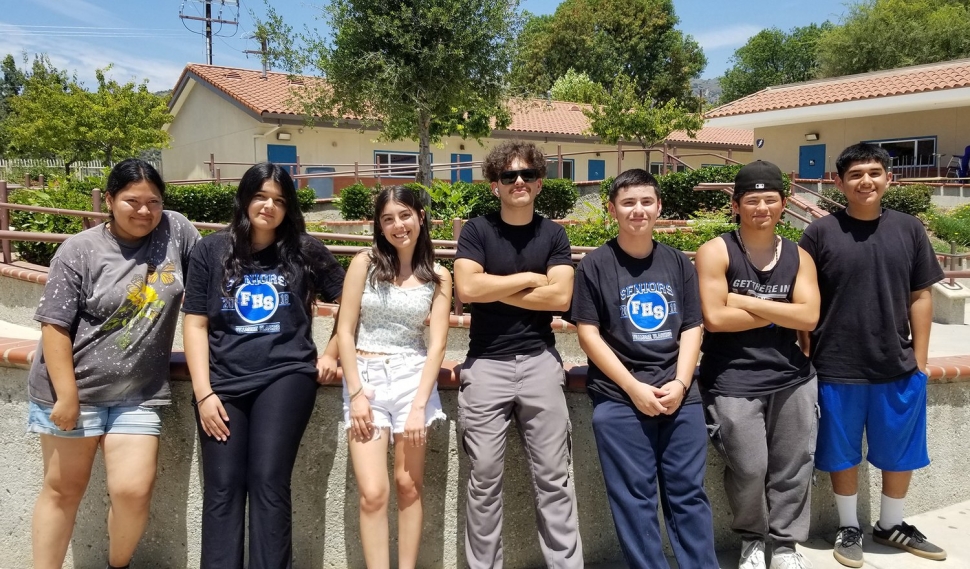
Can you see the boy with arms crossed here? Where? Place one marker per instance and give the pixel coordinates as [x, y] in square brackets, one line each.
[875, 270]
[758, 387]
[516, 267]
[636, 306]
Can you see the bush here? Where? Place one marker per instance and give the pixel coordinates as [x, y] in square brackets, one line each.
[38, 252]
[208, 203]
[484, 201]
[307, 199]
[678, 197]
[913, 199]
[356, 202]
[557, 198]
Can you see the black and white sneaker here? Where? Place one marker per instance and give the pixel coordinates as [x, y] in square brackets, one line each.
[908, 538]
[848, 546]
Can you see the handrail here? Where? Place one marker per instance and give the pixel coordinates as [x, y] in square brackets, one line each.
[817, 194]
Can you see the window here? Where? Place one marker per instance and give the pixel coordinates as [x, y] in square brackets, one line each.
[906, 152]
[656, 168]
[396, 164]
[568, 168]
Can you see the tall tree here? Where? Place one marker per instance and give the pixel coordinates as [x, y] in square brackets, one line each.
[420, 69]
[627, 116]
[578, 88]
[128, 118]
[608, 38]
[773, 57]
[885, 34]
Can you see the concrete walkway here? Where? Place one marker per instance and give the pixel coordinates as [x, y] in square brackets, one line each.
[948, 528]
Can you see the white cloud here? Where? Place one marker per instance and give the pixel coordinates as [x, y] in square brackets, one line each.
[734, 36]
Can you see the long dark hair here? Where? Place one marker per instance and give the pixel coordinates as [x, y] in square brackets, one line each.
[239, 259]
[383, 256]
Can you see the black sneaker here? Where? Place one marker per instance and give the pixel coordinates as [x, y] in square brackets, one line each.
[908, 538]
[848, 546]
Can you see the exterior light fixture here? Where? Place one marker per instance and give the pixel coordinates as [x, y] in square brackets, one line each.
[283, 136]
[811, 136]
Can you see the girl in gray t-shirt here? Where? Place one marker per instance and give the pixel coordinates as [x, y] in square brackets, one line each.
[101, 370]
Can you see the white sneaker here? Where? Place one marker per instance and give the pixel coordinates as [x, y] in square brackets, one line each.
[752, 555]
[789, 560]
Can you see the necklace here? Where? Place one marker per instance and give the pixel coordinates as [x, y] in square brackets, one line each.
[776, 247]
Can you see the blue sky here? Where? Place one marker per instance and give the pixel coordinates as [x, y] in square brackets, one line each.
[146, 38]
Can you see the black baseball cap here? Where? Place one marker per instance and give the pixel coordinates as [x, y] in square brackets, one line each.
[758, 176]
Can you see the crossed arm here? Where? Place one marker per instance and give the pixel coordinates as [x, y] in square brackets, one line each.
[725, 311]
[533, 291]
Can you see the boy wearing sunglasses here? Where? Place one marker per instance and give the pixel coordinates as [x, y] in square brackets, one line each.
[515, 268]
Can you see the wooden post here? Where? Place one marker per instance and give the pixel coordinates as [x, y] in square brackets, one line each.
[219, 175]
[356, 171]
[27, 180]
[5, 222]
[666, 160]
[40, 180]
[728, 161]
[89, 222]
[212, 165]
[298, 166]
[559, 160]
[619, 158]
[456, 233]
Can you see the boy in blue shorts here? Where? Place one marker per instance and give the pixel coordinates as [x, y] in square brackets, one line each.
[875, 270]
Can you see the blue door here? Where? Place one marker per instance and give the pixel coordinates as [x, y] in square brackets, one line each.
[322, 187]
[282, 154]
[811, 161]
[461, 174]
[597, 170]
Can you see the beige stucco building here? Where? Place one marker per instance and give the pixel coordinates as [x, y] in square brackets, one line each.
[240, 117]
[920, 114]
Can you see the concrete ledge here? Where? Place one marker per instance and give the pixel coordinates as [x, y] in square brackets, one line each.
[950, 303]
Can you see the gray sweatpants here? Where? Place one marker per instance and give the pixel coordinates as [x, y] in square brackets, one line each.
[528, 388]
[768, 445]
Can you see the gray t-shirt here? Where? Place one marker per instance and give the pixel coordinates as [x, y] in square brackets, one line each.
[120, 302]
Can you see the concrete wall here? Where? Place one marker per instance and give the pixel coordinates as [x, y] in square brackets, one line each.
[781, 143]
[207, 123]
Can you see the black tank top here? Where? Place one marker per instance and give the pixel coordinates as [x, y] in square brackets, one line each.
[763, 360]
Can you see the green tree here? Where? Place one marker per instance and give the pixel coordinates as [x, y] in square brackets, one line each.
[11, 83]
[627, 116]
[773, 57]
[578, 88]
[885, 34]
[607, 38]
[55, 117]
[420, 70]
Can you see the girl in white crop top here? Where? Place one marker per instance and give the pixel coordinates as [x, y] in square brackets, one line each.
[390, 367]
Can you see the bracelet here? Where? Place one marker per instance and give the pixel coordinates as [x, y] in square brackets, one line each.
[199, 402]
[682, 383]
[356, 393]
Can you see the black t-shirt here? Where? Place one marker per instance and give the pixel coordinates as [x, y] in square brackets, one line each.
[500, 330]
[260, 330]
[759, 361]
[641, 307]
[866, 272]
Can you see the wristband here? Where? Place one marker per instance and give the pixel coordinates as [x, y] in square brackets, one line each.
[682, 383]
[356, 393]
[199, 402]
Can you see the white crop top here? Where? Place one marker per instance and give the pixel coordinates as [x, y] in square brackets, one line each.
[392, 318]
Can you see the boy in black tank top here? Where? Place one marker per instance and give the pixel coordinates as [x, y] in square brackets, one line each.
[759, 389]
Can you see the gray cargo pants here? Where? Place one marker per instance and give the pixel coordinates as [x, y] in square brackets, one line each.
[528, 388]
[768, 446]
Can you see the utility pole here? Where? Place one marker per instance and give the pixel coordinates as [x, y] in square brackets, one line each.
[263, 53]
[207, 19]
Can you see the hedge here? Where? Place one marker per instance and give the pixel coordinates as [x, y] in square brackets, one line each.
[678, 197]
[213, 203]
[913, 199]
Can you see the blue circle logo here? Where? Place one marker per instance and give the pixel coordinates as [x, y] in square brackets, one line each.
[647, 310]
[256, 303]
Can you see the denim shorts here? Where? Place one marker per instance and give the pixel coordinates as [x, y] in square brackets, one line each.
[394, 380]
[95, 421]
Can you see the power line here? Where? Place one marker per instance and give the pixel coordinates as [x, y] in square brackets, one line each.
[207, 19]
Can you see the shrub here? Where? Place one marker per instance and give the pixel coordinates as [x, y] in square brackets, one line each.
[208, 203]
[557, 198]
[593, 232]
[484, 201]
[448, 201]
[356, 202]
[38, 252]
[913, 199]
[951, 229]
[307, 199]
[679, 199]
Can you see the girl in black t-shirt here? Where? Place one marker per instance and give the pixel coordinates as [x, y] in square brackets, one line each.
[390, 369]
[254, 366]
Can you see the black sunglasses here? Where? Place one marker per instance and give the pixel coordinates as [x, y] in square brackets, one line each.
[528, 176]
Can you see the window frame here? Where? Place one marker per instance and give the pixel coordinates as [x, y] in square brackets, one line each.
[390, 170]
[552, 168]
[915, 140]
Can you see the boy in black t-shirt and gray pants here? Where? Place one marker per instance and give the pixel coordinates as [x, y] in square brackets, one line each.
[758, 386]
[636, 306]
[875, 270]
[516, 267]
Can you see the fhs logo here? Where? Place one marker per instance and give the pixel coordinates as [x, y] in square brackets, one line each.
[647, 310]
[257, 302]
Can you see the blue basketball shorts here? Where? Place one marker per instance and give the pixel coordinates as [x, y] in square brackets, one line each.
[893, 416]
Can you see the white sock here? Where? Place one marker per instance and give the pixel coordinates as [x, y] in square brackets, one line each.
[847, 505]
[890, 512]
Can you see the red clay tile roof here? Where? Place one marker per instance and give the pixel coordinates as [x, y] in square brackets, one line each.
[273, 95]
[902, 81]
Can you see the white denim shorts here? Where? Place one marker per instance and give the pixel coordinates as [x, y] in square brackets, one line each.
[394, 380]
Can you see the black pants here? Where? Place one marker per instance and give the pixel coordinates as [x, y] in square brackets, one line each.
[257, 459]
